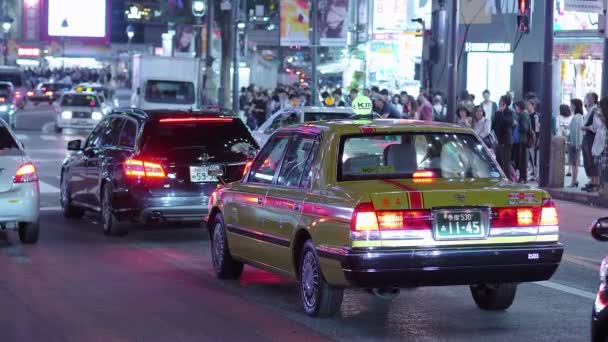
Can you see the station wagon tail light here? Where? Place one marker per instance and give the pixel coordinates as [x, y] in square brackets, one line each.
[187, 120]
[49, 93]
[143, 169]
[423, 174]
[26, 174]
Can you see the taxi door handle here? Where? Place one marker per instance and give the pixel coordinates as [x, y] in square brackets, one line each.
[260, 200]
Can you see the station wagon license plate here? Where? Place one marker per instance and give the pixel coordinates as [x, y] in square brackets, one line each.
[200, 174]
[458, 224]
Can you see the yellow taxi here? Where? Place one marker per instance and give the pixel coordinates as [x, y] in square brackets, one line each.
[382, 205]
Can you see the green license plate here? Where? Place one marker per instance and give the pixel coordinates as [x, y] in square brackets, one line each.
[460, 224]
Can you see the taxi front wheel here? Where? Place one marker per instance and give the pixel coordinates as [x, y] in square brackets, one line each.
[318, 297]
[494, 297]
[224, 265]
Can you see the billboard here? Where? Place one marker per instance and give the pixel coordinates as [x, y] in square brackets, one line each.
[84, 20]
[332, 19]
[295, 22]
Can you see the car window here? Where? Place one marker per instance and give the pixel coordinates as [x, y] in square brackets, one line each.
[445, 155]
[325, 116]
[268, 160]
[80, 100]
[110, 134]
[295, 161]
[306, 181]
[6, 139]
[127, 136]
[94, 139]
[283, 120]
[169, 92]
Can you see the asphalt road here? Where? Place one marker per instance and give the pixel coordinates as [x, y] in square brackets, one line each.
[157, 284]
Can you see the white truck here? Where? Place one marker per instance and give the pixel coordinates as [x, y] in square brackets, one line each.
[166, 82]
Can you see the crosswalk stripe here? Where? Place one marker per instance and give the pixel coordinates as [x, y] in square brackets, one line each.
[49, 137]
[46, 188]
[22, 137]
[566, 289]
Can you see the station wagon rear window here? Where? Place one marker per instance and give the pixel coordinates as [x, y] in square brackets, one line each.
[439, 155]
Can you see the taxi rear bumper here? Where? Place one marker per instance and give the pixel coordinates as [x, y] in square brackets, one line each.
[449, 266]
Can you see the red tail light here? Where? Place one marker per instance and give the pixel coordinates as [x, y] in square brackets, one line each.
[143, 169]
[49, 93]
[548, 216]
[194, 119]
[17, 94]
[424, 174]
[26, 174]
[30, 93]
[366, 218]
[525, 216]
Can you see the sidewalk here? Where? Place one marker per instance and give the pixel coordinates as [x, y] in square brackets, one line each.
[578, 195]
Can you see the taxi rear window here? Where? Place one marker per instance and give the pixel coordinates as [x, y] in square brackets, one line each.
[389, 156]
[79, 100]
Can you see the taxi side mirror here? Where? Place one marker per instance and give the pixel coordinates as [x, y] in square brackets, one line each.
[599, 229]
[75, 145]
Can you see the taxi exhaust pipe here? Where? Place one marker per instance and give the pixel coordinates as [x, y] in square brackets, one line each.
[386, 293]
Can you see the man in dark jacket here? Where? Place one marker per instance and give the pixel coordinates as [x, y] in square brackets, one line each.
[503, 127]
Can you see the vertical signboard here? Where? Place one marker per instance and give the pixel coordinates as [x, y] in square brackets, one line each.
[333, 23]
[390, 15]
[31, 20]
[295, 22]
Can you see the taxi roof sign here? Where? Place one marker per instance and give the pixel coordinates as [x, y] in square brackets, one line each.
[362, 105]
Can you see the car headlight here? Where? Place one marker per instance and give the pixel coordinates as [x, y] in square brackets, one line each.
[66, 115]
[97, 115]
[3, 108]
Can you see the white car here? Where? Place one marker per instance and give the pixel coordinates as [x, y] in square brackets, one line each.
[107, 94]
[80, 110]
[19, 189]
[291, 116]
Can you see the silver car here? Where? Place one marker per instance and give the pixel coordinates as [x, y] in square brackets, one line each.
[19, 189]
[79, 110]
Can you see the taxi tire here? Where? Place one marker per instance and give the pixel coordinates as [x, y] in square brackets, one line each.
[329, 298]
[225, 267]
[69, 211]
[110, 224]
[28, 232]
[494, 297]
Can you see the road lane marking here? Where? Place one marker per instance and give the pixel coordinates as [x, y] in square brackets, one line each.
[50, 208]
[49, 137]
[582, 261]
[48, 127]
[46, 188]
[22, 137]
[566, 289]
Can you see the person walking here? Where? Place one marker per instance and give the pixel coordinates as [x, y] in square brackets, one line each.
[575, 139]
[597, 149]
[521, 133]
[531, 106]
[503, 127]
[591, 100]
[489, 107]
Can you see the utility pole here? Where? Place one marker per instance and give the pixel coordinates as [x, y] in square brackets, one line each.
[315, 51]
[605, 67]
[452, 60]
[208, 48]
[547, 98]
[235, 56]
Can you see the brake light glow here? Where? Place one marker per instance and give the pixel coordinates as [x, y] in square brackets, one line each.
[548, 216]
[247, 167]
[49, 93]
[26, 174]
[17, 94]
[525, 216]
[144, 169]
[424, 174]
[30, 93]
[194, 119]
[366, 218]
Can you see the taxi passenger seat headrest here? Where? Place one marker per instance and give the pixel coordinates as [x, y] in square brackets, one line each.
[402, 157]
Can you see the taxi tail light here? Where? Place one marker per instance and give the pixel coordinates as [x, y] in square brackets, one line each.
[247, 167]
[30, 93]
[548, 216]
[26, 174]
[510, 217]
[137, 168]
[366, 218]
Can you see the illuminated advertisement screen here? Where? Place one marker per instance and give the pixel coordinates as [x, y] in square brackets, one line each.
[77, 18]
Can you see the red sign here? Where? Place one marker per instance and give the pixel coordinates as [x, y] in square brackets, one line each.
[28, 52]
[31, 20]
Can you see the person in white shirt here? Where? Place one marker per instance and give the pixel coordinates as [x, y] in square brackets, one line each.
[482, 126]
[489, 107]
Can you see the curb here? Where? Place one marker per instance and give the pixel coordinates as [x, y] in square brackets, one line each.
[588, 199]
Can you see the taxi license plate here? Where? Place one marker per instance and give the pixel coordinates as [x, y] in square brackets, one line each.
[200, 174]
[80, 123]
[460, 224]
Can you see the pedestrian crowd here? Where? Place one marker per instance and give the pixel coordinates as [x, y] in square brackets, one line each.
[34, 76]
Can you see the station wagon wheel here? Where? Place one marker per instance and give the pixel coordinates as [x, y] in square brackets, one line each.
[224, 265]
[318, 297]
[494, 297]
[69, 211]
[111, 225]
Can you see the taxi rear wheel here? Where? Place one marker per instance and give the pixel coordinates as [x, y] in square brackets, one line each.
[224, 265]
[318, 297]
[494, 296]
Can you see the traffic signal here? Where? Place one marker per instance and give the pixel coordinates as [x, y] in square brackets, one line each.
[523, 19]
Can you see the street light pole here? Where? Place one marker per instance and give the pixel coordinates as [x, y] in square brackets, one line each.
[547, 98]
[6, 27]
[235, 56]
[452, 61]
[314, 48]
[208, 47]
